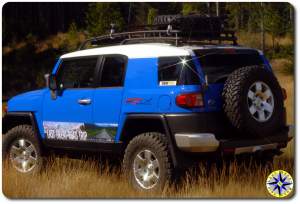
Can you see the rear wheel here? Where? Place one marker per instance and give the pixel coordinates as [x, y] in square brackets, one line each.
[147, 163]
[21, 149]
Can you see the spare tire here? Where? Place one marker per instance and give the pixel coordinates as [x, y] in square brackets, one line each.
[165, 19]
[253, 101]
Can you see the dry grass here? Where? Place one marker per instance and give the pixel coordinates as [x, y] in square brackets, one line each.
[58, 41]
[287, 82]
[254, 40]
[69, 178]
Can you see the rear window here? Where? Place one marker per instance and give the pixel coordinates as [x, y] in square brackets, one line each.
[217, 63]
[177, 71]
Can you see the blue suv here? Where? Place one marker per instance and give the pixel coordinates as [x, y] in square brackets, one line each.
[154, 104]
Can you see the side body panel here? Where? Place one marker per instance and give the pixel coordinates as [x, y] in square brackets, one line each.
[106, 109]
[29, 102]
[143, 94]
[65, 113]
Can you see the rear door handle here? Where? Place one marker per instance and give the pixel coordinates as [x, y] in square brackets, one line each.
[85, 101]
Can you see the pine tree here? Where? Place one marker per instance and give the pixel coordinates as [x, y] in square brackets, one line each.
[152, 13]
[274, 23]
[100, 16]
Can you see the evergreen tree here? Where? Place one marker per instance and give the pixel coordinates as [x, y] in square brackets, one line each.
[200, 8]
[100, 16]
[274, 23]
[152, 13]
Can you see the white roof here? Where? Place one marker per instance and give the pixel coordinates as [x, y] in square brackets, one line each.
[134, 51]
[193, 47]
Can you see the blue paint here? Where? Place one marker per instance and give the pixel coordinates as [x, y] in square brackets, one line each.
[29, 102]
[56, 66]
[65, 108]
[198, 67]
[106, 105]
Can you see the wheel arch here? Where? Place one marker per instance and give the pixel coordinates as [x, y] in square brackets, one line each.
[136, 124]
[13, 119]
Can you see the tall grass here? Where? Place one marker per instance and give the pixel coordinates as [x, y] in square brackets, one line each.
[69, 178]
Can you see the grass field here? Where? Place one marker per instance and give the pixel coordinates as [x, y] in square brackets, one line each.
[70, 178]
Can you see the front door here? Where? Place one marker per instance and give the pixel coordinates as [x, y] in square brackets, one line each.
[68, 116]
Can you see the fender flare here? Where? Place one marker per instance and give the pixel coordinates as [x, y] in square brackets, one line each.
[174, 151]
[10, 118]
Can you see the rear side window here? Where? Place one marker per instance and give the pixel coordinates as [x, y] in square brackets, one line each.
[77, 73]
[219, 63]
[113, 71]
[177, 71]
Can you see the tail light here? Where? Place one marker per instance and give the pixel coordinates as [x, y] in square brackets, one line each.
[284, 94]
[190, 100]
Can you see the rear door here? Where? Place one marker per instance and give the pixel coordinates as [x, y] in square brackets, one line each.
[108, 96]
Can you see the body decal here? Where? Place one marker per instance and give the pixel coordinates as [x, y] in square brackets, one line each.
[139, 101]
[98, 132]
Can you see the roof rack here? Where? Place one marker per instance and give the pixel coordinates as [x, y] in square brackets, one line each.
[173, 29]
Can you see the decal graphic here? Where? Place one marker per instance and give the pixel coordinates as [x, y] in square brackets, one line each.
[139, 101]
[133, 101]
[98, 132]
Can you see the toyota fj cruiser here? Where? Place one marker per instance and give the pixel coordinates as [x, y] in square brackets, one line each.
[156, 98]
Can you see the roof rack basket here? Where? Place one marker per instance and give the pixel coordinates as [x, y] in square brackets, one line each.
[173, 29]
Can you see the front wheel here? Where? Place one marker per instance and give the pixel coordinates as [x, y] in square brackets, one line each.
[21, 149]
[147, 162]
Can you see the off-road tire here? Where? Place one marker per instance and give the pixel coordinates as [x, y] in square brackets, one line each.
[22, 132]
[165, 19]
[236, 106]
[155, 142]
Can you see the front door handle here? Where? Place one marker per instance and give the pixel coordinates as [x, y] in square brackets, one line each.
[85, 101]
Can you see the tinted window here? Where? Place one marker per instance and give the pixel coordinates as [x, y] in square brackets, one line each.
[113, 71]
[77, 73]
[177, 71]
[217, 64]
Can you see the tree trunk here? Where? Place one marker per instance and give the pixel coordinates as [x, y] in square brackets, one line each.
[262, 28]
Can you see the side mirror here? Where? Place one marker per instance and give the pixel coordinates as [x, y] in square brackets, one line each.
[52, 82]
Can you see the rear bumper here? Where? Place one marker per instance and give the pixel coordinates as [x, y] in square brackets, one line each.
[214, 123]
[207, 142]
[202, 142]
[204, 122]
